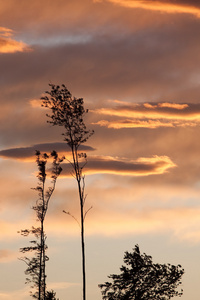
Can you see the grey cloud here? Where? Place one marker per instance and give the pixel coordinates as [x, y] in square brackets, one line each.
[148, 166]
[186, 2]
[111, 68]
[114, 63]
[27, 152]
[155, 59]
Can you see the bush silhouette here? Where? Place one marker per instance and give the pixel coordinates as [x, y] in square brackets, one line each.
[141, 279]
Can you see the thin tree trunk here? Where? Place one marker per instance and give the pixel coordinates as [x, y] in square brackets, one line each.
[40, 267]
[42, 250]
[43, 265]
[82, 243]
[81, 198]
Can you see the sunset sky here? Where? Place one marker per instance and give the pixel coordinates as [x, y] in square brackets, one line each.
[136, 64]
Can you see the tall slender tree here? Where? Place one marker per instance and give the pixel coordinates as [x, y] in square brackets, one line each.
[69, 112]
[36, 269]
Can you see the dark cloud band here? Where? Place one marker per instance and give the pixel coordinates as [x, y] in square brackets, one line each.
[28, 152]
[115, 166]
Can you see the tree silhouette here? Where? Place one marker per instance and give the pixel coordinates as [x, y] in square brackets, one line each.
[51, 295]
[69, 112]
[141, 279]
[36, 269]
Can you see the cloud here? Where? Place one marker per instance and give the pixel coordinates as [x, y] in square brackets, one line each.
[20, 294]
[181, 221]
[151, 115]
[9, 231]
[133, 124]
[7, 255]
[173, 105]
[24, 153]
[5, 32]
[109, 165]
[8, 45]
[125, 218]
[166, 6]
[61, 285]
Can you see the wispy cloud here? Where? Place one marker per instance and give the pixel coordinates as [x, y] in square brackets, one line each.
[133, 124]
[117, 220]
[9, 45]
[181, 221]
[167, 6]
[151, 115]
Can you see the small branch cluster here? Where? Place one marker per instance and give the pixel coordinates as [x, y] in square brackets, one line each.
[45, 195]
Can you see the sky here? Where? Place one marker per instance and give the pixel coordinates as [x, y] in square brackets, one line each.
[136, 64]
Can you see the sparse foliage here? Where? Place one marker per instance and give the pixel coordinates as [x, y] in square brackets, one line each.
[141, 279]
[69, 112]
[37, 264]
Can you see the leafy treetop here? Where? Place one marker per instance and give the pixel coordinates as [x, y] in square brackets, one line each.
[141, 279]
[69, 112]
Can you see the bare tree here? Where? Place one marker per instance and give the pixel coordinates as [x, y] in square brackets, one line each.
[68, 112]
[36, 269]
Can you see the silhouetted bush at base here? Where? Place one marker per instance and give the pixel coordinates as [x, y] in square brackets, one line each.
[141, 279]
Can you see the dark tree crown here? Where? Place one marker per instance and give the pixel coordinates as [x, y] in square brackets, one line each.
[67, 111]
[141, 279]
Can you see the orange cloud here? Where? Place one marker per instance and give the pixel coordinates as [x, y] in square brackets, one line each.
[35, 103]
[173, 105]
[151, 115]
[109, 165]
[148, 105]
[162, 6]
[6, 32]
[158, 220]
[182, 222]
[151, 124]
[8, 45]
[134, 124]
[166, 104]
[158, 112]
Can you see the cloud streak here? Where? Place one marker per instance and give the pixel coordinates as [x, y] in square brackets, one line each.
[143, 166]
[151, 115]
[180, 7]
[28, 153]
